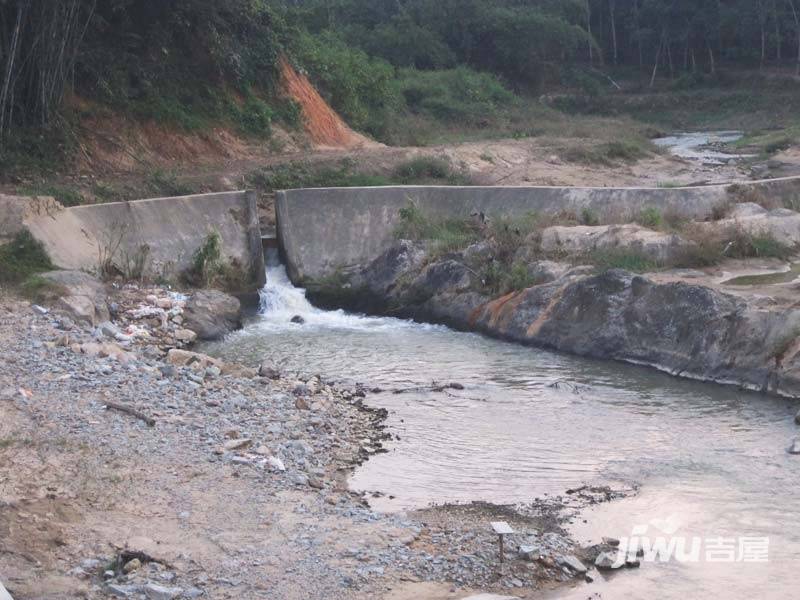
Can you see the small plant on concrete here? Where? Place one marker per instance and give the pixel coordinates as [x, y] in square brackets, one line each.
[589, 217]
[134, 265]
[207, 261]
[108, 248]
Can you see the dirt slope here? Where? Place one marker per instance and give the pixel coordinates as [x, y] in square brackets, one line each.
[323, 125]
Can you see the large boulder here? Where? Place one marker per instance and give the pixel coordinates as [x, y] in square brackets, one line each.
[382, 274]
[212, 314]
[80, 295]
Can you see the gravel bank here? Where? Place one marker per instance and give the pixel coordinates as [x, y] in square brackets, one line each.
[237, 490]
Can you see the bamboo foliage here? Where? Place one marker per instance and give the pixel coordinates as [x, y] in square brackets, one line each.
[39, 44]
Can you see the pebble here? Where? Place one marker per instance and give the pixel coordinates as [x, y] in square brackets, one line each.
[153, 591]
[572, 562]
[132, 565]
[608, 560]
[237, 444]
[794, 448]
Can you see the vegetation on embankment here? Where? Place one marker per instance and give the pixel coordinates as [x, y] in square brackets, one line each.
[503, 251]
[416, 72]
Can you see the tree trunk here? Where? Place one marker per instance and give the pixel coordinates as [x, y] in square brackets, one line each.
[797, 33]
[762, 21]
[5, 105]
[778, 40]
[638, 32]
[658, 59]
[712, 63]
[669, 61]
[589, 31]
[612, 10]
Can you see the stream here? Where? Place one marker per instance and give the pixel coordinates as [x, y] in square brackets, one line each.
[711, 460]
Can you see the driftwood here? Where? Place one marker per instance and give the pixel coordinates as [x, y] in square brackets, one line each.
[131, 411]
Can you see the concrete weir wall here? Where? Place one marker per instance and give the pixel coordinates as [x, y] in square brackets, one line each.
[172, 228]
[326, 229]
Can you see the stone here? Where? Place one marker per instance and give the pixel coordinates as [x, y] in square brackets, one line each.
[159, 592]
[187, 336]
[193, 592]
[301, 389]
[164, 303]
[300, 479]
[269, 370]
[298, 320]
[132, 565]
[610, 541]
[797, 417]
[82, 296]
[237, 444]
[608, 560]
[529, 553]
[185, 358]
[300, 403]
[572, 562]
[212, 314]
[489, 597]
[39, 310]
[276, 463]
[794, 448]
[123, 591]
[315, 482]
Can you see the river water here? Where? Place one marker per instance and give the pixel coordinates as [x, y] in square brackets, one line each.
[707, 147]
[710, 460]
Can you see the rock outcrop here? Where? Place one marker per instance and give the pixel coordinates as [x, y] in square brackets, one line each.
[685, 329]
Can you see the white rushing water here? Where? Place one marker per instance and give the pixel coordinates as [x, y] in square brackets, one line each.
[710, 460]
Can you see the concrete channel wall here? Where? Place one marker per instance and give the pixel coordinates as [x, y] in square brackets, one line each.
[171, 228]
[326, 229]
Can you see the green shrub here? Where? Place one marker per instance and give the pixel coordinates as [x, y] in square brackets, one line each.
[22, 257]
[458, 95]
[255, 117]
[589, 217]
[650, 217]
[206, 262]
[622, 258]
[429, 169]
[166, 183]
[307, 175]
[65, 195]
[357, 86]
[442, 235]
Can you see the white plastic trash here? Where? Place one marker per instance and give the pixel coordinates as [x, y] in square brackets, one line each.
[4, 595]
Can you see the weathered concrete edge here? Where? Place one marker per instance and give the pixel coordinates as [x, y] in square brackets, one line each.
[322, 230]
[173, 228]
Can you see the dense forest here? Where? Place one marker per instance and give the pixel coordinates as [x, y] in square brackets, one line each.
[192, 61]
